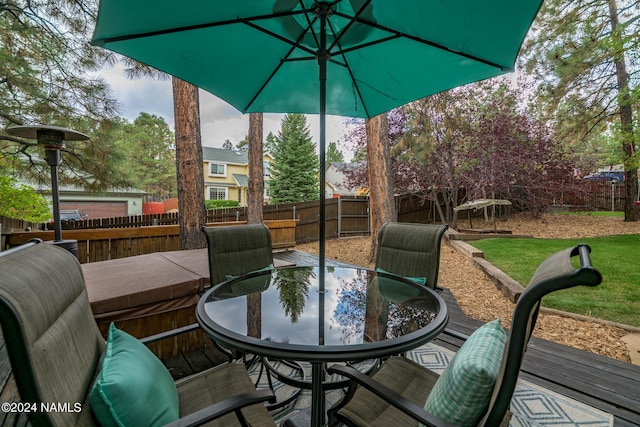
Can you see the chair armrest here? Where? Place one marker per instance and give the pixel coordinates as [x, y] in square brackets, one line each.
[183, 330]
[232, 404]
[168, 334]
[390, 396]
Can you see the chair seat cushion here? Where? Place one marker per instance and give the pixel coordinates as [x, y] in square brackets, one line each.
[133, 387]
[462, 393]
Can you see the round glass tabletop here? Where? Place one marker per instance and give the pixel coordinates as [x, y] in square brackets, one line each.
[348, 314]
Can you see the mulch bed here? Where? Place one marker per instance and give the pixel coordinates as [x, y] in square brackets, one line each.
[481, 300]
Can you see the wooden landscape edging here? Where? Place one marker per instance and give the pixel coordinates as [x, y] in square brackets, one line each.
[510, 287]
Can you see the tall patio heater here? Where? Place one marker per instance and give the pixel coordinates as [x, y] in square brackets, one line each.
[52, 140]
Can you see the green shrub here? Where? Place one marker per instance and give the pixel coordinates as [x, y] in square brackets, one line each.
[219, 204]
[20, 201]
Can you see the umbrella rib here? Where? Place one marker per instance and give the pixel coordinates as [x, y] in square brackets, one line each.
[371, 43]
[349, 70]
[351, 21]
[294, 45]
[105, 41]
[423, 41]
[310, 24]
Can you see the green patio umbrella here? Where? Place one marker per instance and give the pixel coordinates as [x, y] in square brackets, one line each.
[354, 58]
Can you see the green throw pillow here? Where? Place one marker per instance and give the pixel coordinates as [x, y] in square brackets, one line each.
[133, 387]
[462, 393]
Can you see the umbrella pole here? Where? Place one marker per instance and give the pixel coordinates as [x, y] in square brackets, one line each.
[318, 415]
[322, 62]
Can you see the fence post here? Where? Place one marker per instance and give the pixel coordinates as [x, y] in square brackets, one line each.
[339, 216]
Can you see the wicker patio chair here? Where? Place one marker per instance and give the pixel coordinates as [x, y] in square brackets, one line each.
[59, 356]
[481, 376]
[411, 250]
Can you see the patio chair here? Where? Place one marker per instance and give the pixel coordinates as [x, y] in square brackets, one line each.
[59, 357]
[237, 249]
[477, 386]
[411, 250]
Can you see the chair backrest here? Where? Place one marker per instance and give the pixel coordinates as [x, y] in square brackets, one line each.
[553, 274]
[52, 339]
[237, 249]
[410, 250]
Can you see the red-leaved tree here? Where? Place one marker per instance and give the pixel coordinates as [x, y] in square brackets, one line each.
[473, 142]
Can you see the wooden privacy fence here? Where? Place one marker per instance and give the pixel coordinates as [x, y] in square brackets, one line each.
[596, 196]
[344, 216]
[111, 238]
[112, 243]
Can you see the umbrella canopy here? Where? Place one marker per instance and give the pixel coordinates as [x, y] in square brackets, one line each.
[262, 56]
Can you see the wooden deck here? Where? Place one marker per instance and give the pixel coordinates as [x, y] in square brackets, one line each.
[607, 384]
[603, 383]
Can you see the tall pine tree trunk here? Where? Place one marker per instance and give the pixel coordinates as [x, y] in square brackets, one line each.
[255, 197]
[381, 205]
[189, 165]
[631, 210]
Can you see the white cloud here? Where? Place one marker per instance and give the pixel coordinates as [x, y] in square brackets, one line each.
[219, 120]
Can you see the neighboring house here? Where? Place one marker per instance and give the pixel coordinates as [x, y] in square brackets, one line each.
[329, 190]
[226, 174]
[337, 180]
[115, 202]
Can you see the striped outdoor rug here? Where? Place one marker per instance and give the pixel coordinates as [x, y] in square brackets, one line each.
[531, 405]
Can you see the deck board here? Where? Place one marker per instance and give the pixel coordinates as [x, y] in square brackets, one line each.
[607, 384]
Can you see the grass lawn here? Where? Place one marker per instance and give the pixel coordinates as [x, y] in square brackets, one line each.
[616, 257]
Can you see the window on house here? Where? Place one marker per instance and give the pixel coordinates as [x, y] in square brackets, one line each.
[217, 193]
[239, 195]
[217, 169]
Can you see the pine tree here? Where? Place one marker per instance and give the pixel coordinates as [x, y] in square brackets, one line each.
[149, 161]
[294, 172]
[583, 55]
[333, 154]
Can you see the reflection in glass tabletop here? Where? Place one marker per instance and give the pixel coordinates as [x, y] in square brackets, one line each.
[355, 313]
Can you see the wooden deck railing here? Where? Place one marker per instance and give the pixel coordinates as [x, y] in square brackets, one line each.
[113, 243]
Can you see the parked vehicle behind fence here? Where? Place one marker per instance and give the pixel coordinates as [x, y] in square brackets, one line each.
[70, 215]
[609, 176]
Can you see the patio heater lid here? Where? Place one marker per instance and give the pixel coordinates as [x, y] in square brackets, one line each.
[31, 132]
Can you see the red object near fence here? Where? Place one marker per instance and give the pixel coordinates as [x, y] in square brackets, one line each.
[152, 208]
[170, 204]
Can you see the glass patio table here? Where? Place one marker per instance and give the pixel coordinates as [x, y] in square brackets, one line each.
[335, 314]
